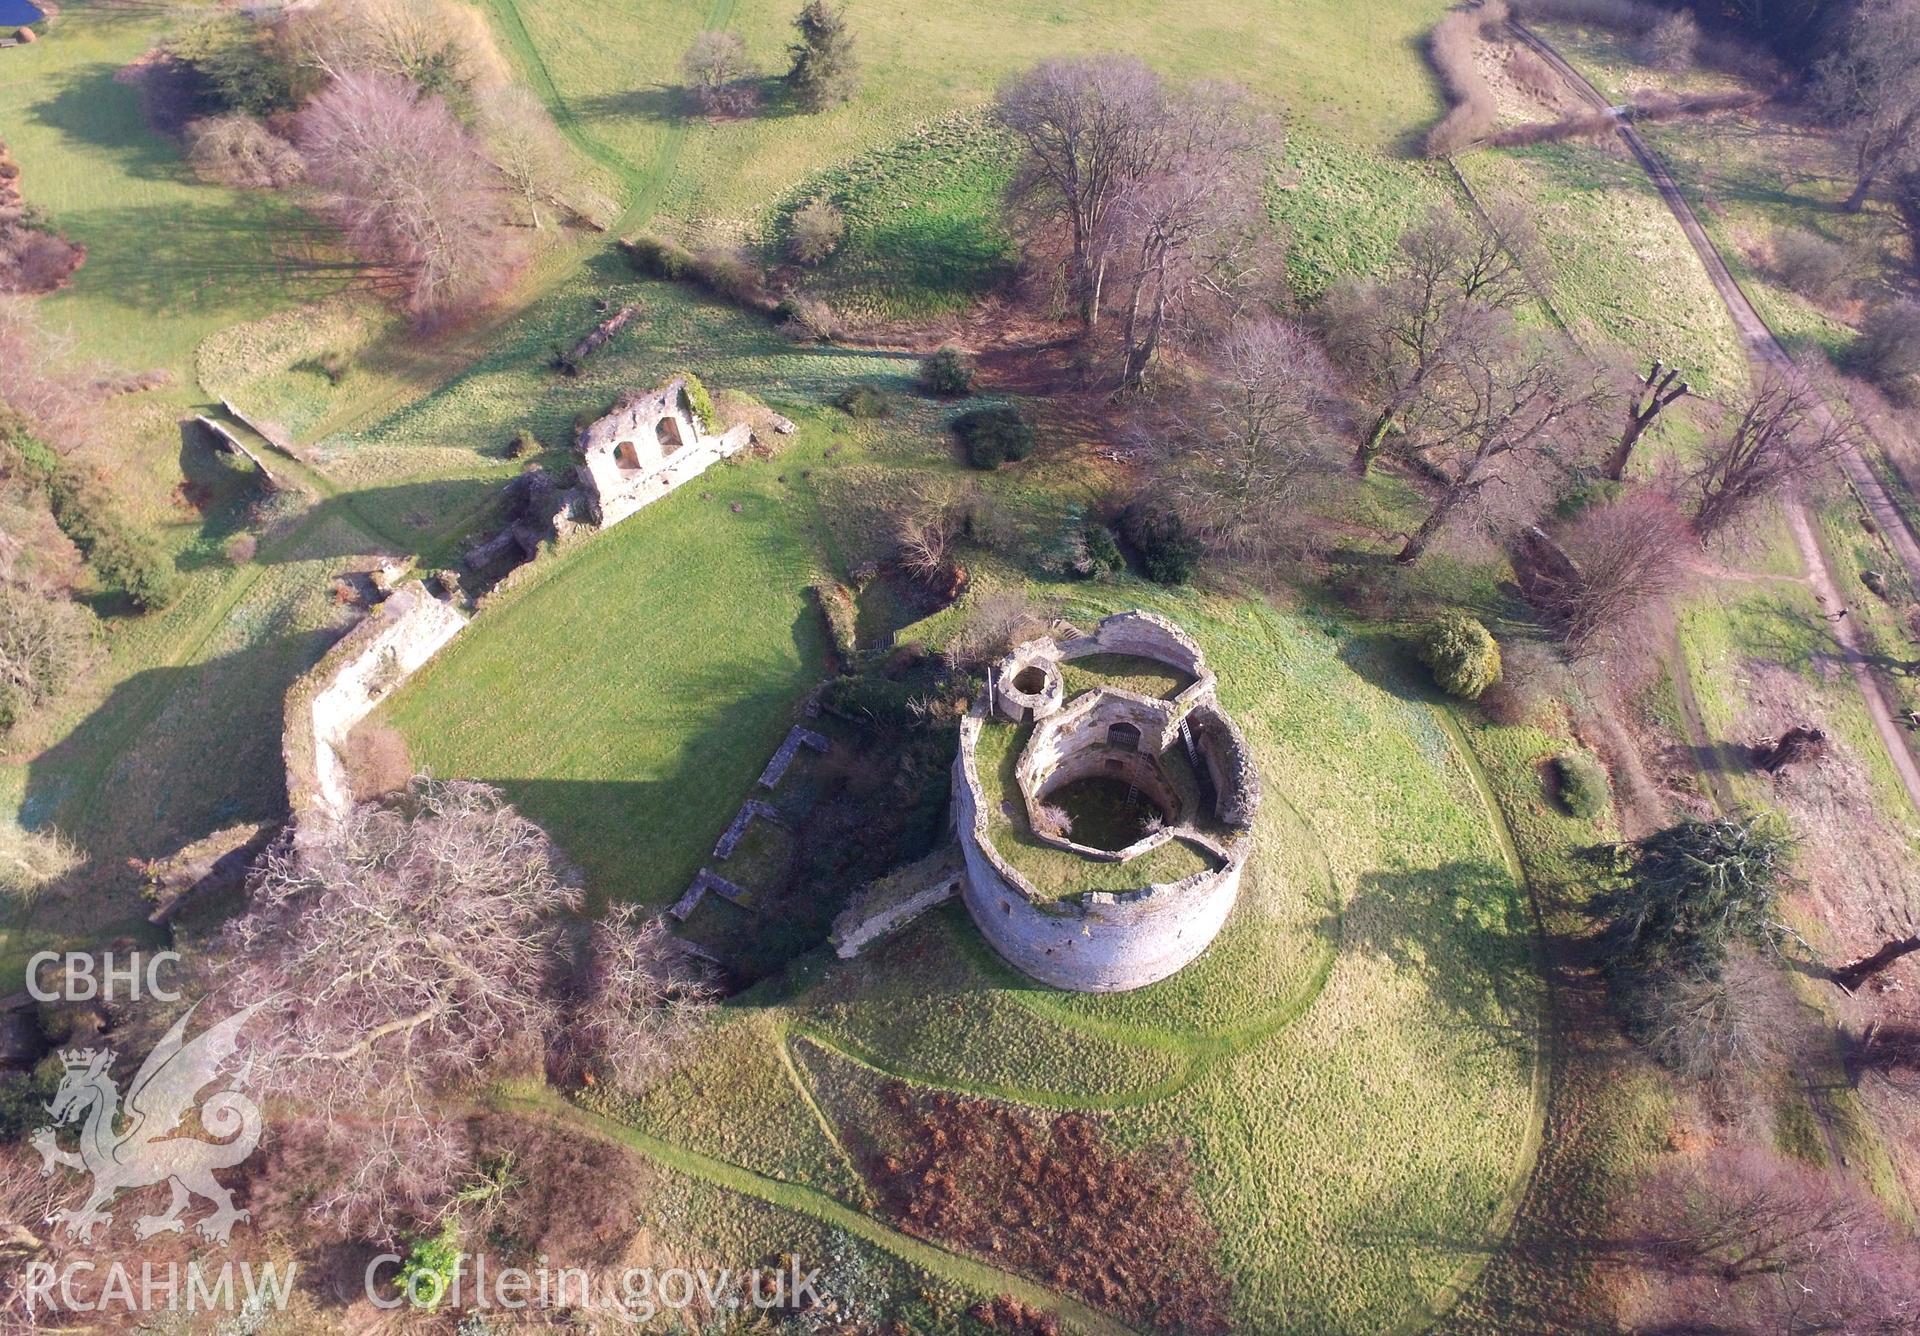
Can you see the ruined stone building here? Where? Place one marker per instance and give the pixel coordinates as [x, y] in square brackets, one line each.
[650, 443]
[1179, 754]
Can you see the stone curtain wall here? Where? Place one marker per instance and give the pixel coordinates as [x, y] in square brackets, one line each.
[1145, 635]
[1102, 941]
[1223, 750]
[367, 666]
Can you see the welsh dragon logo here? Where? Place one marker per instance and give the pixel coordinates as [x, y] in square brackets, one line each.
[131, 1148]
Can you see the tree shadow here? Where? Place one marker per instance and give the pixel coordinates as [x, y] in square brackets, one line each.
[1720, 758]
[649, 102]
[1463, 931]
[90, 106]
[1386, 661]
[667, 103]
[169, 756]
[223, 487]
[192, 255]
[172, 754]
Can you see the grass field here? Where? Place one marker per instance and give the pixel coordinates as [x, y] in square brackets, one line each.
[1358, 1045]
[617, 72]
[1621, 267]
[169, 259]
[628, 697]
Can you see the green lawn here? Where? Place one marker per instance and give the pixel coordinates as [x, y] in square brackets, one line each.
[615, 68]
[628, 697]
[926, 231]
[169, 259]
[1622, 270]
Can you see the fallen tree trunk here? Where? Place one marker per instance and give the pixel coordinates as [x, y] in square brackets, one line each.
[1852, 976]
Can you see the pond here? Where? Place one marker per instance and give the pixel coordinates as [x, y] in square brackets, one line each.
[13, 13]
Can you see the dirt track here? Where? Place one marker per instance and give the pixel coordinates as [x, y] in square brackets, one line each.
[1766, 352]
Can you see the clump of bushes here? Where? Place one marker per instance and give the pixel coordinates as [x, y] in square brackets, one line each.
[807, 319]
[994, 435]
[658, 257]
[1581, 783]
[727, 273]
[1084, 548]
[126, 558]
[45, 643]
[239, 65]
[426, 1278]
[864, 401]
[721, 270]
[1462, 654]
[334, 365]
[1888, 349]
[699, 402]
[1533, 74]
[524, 445]
[238, 150]
[1103, 556]
[1811, 265]
[1671, 43]
[947, 373]
[1167, 548]
[815, 232]
[842, 617]
[1589, 491]
[1471, 109]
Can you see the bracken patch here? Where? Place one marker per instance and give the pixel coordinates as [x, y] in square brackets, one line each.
[1052, 1198]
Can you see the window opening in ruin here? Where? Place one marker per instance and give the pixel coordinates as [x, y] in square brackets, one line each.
[668, 430]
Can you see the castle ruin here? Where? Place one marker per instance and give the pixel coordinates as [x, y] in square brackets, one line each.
[1105, 940]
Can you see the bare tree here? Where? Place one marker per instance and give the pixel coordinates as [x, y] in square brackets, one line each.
[1406, 340]
[1188, 226]
[1718, 1026]
[400, 957]
[532, 158]
[1750, 1241]
[409, 187]
[925, 528]
[1629, 559]
[1781, 432]
[1262, 439]
[38, 380]
[636, 1001]
[717, 71]
[1871, 86]
[441, 47]
[1090, 125]
[1656, 394]
[1518, 411]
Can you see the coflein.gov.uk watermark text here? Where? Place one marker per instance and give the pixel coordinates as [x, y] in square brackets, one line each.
[638, 1294]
